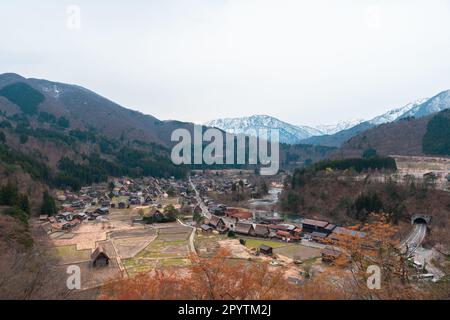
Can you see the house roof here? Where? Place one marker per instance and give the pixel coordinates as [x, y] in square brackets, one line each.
[229, 222]
[283, 233]
[206, 227]
[319, 235]
[261, 229]
[243, 227]
[240, 214]
[278, 226]
[99, 251]
[214, 220]
[264, 247]
[154, 211]
[317, 223]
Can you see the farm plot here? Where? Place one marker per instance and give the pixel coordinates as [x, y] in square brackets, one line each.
[298, 252]
[131, 246]
[70, 254]
[256, 243]
[143, 232]
[170, 248]
[165, 249]
[178, 233]
[124, 215]
[208, 244]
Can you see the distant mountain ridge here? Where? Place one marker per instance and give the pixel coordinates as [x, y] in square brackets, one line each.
[396, 114]
[336, 134]
[65, 135]
[417, 109]
[428, 135]
[289, 133]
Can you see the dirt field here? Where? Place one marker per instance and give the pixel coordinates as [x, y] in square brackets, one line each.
[86, 236]
[131, 248]
[207, 244]
[69, 254]
[298, 252]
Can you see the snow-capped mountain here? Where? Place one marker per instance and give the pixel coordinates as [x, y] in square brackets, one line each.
[435, 104]
[289, 133]
[343, 125]
[331, 135]
[416, 109]
[397, 113]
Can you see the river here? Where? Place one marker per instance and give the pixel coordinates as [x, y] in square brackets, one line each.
[266, 206]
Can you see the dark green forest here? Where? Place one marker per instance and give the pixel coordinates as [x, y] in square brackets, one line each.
[437, 138]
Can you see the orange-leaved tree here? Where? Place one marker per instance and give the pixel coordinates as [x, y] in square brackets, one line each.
[373, 244]
[216, 278]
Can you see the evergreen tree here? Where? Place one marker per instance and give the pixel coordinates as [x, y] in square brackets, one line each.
[9, 194]
[197, 217]
[63, 122]
[48, 205]
[24, 204]
[171, 213]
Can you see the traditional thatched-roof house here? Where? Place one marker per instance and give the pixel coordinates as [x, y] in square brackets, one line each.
[261, 230]
[100, 258]
[217, 223]
[206, 228]
[245, 228]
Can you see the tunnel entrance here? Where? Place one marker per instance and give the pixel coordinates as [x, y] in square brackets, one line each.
[419, 221]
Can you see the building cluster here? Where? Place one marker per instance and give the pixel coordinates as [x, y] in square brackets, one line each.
[93, 203]
[237, 221]
[225, 184]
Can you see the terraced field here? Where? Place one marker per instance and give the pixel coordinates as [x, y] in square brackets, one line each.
[70, 254]
[170, 248]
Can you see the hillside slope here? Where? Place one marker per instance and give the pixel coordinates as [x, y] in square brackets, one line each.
[86, 109]
[417, 109]
[65, 135]
[428, 135]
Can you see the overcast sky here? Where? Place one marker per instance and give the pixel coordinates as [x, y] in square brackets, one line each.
[305, 62]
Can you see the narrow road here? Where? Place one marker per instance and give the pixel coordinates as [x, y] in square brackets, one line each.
[415, 238]
[191, 237]
[412, 246]
[205, 211]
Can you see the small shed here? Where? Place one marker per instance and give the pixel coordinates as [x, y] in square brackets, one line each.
[100, 257]
[266, 249]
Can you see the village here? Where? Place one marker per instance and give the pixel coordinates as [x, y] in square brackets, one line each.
[129, 226]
